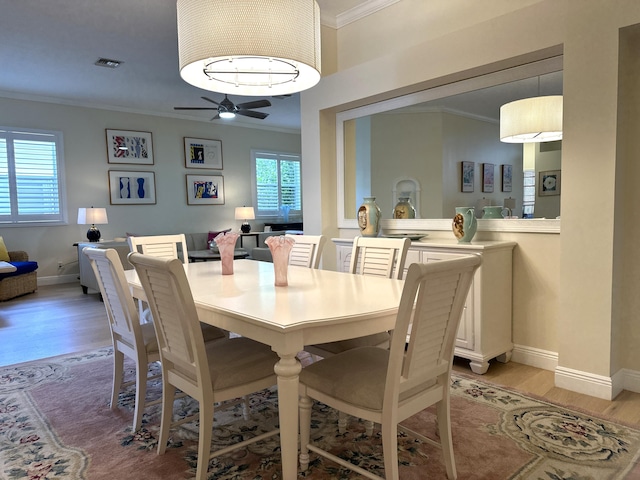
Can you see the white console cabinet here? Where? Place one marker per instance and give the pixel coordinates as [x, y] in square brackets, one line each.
[485, 327]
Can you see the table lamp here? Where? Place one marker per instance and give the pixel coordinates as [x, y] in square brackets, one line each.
[91, 216]
[245, 213]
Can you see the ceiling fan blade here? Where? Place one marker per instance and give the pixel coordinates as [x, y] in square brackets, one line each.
[254, 104]
[209, 100]
[251, 113]
[216, 117]
[195, 108]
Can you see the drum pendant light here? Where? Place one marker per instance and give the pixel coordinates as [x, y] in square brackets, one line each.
[537, 119]
[249, 47]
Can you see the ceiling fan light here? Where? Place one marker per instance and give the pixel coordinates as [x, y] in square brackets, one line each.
[227, 115]
[537, 119]
[267, 47]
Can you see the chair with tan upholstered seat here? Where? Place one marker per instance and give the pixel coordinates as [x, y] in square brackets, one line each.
[209, 373]
[383, 257]
[388, 386]
[130, 338]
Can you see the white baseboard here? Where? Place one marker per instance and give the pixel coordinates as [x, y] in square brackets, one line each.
[58, 279]
[535, 357]
[587, 383]
[575, 380]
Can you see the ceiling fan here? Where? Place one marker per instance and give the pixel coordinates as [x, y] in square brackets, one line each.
[227, 109]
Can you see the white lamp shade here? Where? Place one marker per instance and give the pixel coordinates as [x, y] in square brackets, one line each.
[245, 213]
[249, 47]
[92, 216]
[537, 119]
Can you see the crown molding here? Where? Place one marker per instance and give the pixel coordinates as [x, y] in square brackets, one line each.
[356, 13]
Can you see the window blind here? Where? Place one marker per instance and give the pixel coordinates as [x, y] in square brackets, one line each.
[30, 177]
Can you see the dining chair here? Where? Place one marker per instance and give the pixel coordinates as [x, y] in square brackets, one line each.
[209, 373]
[166, 246]
[389, 385]
[130, 338]
[163, 246]
[307, 250]
[383, 257]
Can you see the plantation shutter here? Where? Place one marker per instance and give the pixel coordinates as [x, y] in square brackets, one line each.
[30, 180]
[277, 183]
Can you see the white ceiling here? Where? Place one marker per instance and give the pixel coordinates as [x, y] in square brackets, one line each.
[49, 48]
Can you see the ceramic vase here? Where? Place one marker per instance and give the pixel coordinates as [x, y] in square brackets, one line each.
[369, 217]
[464, 224]
[404, 208]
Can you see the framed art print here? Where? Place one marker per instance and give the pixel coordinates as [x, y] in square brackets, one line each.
[549, 183]
[205, 190]
[468, 169]
[132, 188]
[507, 178]
[124, 146]
[200, 153]
[487, 177]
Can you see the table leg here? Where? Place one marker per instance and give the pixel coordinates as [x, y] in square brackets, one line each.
[287, 370]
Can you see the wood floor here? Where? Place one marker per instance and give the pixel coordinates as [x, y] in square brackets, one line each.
[60, 319]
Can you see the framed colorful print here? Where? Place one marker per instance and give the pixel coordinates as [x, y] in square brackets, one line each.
[132, 188]
[487, 177]
[124, 146]
[468, 170]
[507, 178]
[200, 153]
[549, 183]
[205, 190]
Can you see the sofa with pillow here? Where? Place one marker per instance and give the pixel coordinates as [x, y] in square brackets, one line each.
[22, 280]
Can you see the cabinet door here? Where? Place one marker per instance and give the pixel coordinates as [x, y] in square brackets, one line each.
[344, 257]
[465, 335]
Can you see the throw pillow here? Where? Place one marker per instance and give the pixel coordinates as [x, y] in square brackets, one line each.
[213, 234]
[4, 253]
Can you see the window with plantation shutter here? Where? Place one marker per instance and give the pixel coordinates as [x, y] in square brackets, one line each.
[31, 177]
[276, 182]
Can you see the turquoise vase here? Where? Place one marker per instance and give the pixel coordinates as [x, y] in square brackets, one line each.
[369, 217]
[464, 224]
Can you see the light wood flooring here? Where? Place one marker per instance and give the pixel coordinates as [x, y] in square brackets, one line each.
[60, 319]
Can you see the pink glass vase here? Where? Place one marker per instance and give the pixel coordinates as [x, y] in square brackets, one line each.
[226, 243]
[280, 247]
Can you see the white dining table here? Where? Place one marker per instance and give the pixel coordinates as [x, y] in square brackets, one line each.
[317, 306]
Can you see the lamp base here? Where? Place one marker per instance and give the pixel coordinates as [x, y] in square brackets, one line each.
[245, 228]
[93, 234]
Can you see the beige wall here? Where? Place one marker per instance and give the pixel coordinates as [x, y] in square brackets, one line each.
[581, 324]
[86, 171]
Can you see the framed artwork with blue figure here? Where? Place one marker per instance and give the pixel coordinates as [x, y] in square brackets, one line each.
[124, 146]
[201, 153]
[205, 190]
[132, 188]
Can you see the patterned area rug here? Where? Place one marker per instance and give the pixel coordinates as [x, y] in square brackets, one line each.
[55, 424]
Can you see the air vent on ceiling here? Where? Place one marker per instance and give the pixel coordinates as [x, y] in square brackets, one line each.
[107, 62]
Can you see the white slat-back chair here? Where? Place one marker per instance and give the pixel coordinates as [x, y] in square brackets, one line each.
[209, 373]
[383, 257]
[162, 246]
[130, 338]
[307, 250]
[388, 386]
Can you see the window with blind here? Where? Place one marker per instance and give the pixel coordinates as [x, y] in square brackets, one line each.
[31, 177]
[529, 194]
[276, 182]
